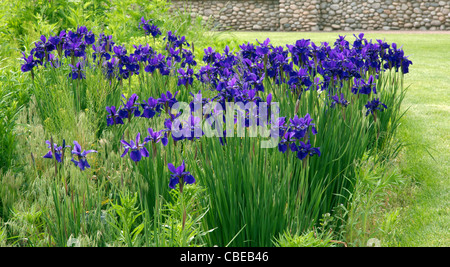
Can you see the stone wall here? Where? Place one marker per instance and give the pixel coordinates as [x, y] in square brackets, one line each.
[386, 15]
[259, 15]
[321, 15]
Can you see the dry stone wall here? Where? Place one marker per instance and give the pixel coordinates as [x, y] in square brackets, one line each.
[321, 15]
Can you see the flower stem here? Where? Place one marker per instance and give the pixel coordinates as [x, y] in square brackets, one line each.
[54, 155]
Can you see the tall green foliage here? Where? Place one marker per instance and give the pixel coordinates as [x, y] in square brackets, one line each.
[13, 96]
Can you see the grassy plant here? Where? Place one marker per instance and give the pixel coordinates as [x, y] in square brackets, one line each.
[308, 239]
[13, 96]
[128, 213]
[368, 201]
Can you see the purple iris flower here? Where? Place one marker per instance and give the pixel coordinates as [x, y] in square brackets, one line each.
[119, 51]
[155, 137]
[74, 46]
[49, 46]
[405, 65]
[341, 43]
[374, 105]
[168, 99]
[77, 72]
[185, 77]
[269, 99]
[143, 23]
[288, 141]
[82, 31]
[39, 50]
[194, 128]
[300, 77]
[130, 107]
[174, 41]
[131, 64]
[358, 43]
[278, 128]
[179, 176]
[188, 57]
[150, 108]
[210, 55]
[58, 151]
[44, 47]
[301, 125]
[174, 54]
[110, 68]
[137, 150]
[255, 81]
[55, 40]
[263, 48]
[336, 100]
[155, 31]
[304, 150]
[142, 53]
[301, 51]
[227, 59]
[167, 67]
[395, 58]
[197, 101]
[170, 37]
[156, 61]
[81, 156]
[207, 76]
[251, 96]
[180, 41]
[106, 42]
[149, 29]
[113, 116]
[173, 125]
[53, 61]
[363, 87]
[30, 63]
[123, 73]
[248, 51]
[89, 38]
[100, 51]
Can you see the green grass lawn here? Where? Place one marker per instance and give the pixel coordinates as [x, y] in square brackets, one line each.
[425, 129]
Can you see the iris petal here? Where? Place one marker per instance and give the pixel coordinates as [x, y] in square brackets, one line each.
[125, 152]
[173, 182]
[171, 167]
[49, 155]
[144, 152]
[58, 157]
[189, 179]
[135, 155]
